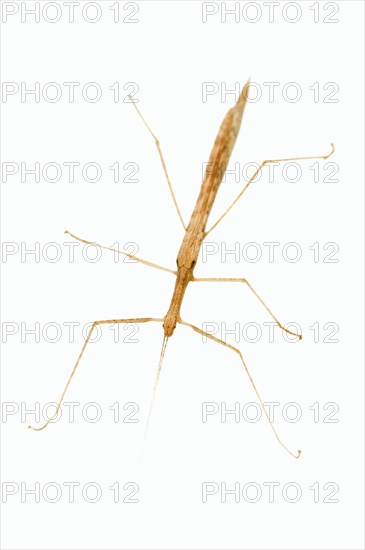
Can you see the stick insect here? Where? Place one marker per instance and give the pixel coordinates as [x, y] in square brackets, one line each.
[195, 233]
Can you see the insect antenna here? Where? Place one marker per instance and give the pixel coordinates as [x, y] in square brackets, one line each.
[163, 349]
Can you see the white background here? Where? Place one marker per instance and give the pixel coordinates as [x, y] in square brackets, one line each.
[169, 53]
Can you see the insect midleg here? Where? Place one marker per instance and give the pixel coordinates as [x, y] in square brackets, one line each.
[323, 157]
[95, 323]
[145, 262]
[199, 331]
[162, 162]
[245, 281]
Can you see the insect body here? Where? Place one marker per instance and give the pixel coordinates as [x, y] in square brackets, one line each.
[188, 254]
[195, 232]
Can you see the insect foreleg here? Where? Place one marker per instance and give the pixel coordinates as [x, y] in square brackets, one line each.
[95, 323]
[199, 331]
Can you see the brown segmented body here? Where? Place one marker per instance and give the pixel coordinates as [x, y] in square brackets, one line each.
[195, 232]
[190, 247]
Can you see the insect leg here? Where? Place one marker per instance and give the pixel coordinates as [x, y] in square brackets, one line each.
[257, 172]
[199, 331]
[145, 262]
[245, 281]
[162, 162]
[95, 323]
